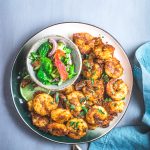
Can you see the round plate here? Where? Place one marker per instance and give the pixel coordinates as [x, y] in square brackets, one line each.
[66, 30]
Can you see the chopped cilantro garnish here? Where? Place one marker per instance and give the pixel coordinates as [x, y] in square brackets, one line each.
[65, 100]
[123, 98]
[92, 81]
[72, 107]
[108, 99]
[72, 123]
[76, 125]
[87, 64]
[100, 111]
[83, 99]
[84, 109]
[82, 113]
[105, 77]
[86, 56]
[57, 97]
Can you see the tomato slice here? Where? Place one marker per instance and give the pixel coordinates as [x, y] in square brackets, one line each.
[60, 66]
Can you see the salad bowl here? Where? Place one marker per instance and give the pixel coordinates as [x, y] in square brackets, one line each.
[75, 57]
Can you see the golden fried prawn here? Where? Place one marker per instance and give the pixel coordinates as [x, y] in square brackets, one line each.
[57, 129]
[80, 85]
[116, 106]
[92, 126]
[43, 104]
[77, 128]
[104, 51]
[94, 90]
[91, 56]
[91, 70]
[60, 115]
[84, 41]
[113, 68]
[116, 89]
[96, 114]
[98, 41]
[68, 90]
[74, 102]
[39, 121]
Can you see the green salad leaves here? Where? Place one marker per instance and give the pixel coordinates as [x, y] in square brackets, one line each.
[45, 67]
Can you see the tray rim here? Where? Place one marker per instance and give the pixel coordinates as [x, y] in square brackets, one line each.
[11, 89]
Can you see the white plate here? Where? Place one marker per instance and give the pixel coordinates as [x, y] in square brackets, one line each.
[66, 30]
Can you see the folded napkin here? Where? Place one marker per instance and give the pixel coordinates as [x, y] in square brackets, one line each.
[132, 137]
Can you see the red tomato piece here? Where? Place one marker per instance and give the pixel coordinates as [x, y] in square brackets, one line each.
[60, 66]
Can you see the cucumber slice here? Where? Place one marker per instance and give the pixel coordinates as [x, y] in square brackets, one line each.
[29, 90]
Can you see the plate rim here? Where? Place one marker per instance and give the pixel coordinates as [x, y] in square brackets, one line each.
[11, 88]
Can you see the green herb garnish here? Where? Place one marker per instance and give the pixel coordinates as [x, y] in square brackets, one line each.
[86, 56]
[57, 97]
[72, 123]
[108, 99]
[100, 111]
[82, 113]
[92, 81]
[83, 99]
[84, 109]
[123, 98]
[105, 77]
[87, 64]
[65, 100]
[72, 107]
[76, 125]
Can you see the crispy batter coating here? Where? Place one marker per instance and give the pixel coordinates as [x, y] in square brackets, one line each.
[84, 41]
[39, 121]
[113, 68]
[104, 51]
[98, 41]
[57, 129]
[92, 126]
[68, 90]
[77, 128]
[60, 115]
[94, 90]
[91, 70]
[116, 89]
[96, 114]
[43, 104]
[116, 106]
[73, 103]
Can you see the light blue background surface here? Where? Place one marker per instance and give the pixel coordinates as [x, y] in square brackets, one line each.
[128, 21]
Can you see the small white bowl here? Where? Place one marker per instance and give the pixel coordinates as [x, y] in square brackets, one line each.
[76, 59]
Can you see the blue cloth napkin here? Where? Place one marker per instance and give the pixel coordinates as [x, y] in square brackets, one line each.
[132, 137]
